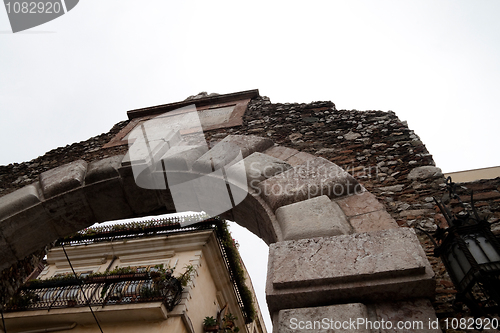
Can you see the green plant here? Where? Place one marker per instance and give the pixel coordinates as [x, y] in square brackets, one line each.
[209, 322]
[233, 256]
[23, 300]
[186, 276]
[228, 323]
[147, 292]
[229, 318]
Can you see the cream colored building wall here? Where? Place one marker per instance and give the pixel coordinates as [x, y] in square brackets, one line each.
[472, 175]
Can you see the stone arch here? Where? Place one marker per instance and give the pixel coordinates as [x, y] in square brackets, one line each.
[300, 204]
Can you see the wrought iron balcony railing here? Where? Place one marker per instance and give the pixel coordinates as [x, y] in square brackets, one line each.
[98, 291]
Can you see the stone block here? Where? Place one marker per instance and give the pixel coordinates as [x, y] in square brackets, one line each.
[259, 167]
[19, 200]
[280, 152]
[62, 179]
[28, 231]
[379, 220]
[333, 318]
[424, 172]
[377, 266]
[227, 152]
[69, 212]
[107, 200]
[141, 200]
[359, 204]
[418, 315]
[317, 217]
[103, 169]
[315, 178]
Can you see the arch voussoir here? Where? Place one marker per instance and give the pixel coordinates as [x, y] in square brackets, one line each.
[315, 177]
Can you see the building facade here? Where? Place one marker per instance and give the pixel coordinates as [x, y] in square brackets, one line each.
[147, 277]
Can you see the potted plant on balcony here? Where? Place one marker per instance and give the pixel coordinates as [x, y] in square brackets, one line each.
[210, 324]
[229, 320]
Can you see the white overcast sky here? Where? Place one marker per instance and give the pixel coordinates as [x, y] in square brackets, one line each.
[435, 63]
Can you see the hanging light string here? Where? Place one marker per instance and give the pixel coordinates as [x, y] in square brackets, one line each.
[81, 288]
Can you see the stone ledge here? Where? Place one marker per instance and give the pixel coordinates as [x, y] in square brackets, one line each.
[377, 266]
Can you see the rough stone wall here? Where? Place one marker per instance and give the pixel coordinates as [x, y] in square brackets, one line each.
[376, 147]
[17, 175]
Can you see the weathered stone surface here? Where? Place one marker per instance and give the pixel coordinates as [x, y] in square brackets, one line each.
[376, 266]
[259, 167]
[28, 231]
[424, 172]
[70, 212]
[63, 178]
[373, 221]
[280, 152]
[226, 152]
[418, 315]
[139, 199]
[314, 178]
[333, 318]
[359, 204]
[107, 200]
[19, 200]
[383, 253]
[103, 169]
[317, 217]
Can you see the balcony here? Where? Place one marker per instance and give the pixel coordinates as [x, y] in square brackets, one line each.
[98, 291]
